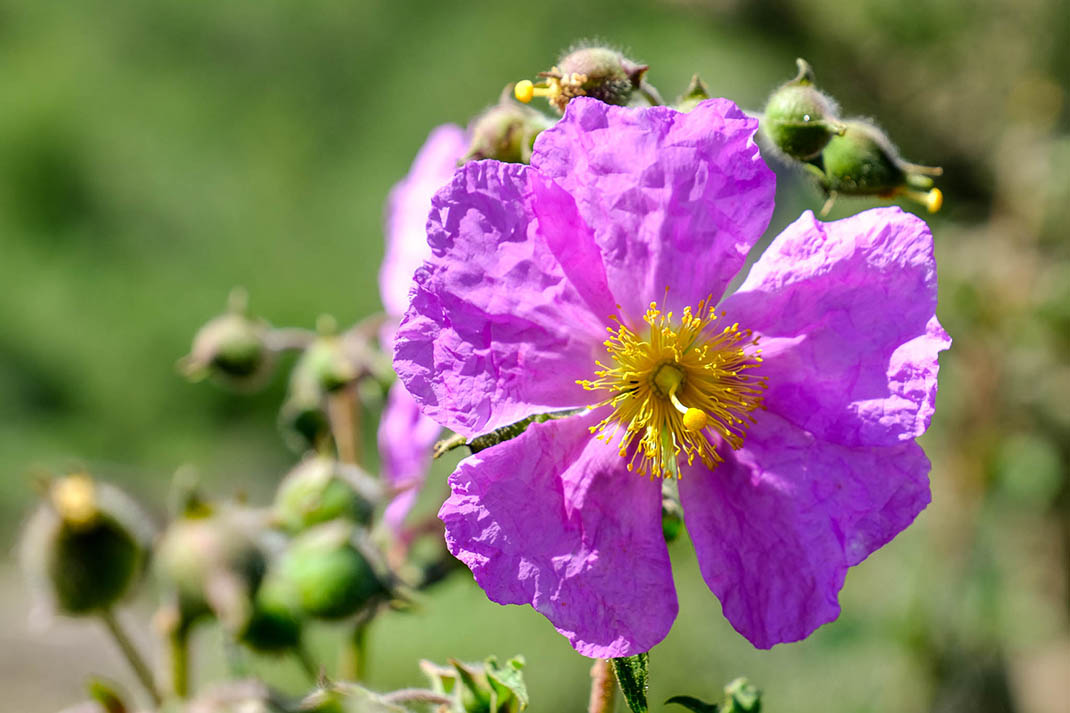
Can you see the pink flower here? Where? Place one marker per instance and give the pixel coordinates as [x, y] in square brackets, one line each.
[788, 412]
[406, 436]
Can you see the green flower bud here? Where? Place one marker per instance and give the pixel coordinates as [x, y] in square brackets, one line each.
[798, 118]
[212, 565]
[325, 364]
[329, 576]
[697, 92]
[597, 72]
[275, 622]
[505, 132]
[232, 347]
[321, 489]
[864, 162]
[303, 416]
[86, 547]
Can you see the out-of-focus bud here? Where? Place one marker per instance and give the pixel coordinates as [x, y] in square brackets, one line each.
[863, 161]
[325, 365]
[303, 416]
[213, 565]
[86, 546]
[505, 132]
[320, 489]
[328, 575]
[799, 119]
[597, 72]
[275, 622]
[232, 347]
[696, 92]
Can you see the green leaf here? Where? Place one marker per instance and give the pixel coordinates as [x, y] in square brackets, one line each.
[693, 704]
[631, 674]
[107, 695]
[508, 683]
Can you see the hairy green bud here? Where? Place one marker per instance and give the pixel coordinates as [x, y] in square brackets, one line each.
[597, 72]
[696, 92]
[799, 119]
[505, 132]
[864, 162]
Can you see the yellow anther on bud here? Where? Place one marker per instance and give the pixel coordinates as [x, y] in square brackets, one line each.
[695, 419]
[74, 498]
[524, 91]
[935, 200]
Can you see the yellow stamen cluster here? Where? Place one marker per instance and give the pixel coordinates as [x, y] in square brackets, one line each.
[558, 88]
[677, 390]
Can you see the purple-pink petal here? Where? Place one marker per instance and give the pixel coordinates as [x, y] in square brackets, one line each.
[846, 316]
[509, 311]
[406, 217]
[776, 526]
[675, 200]
[405, 440]
[553, 519]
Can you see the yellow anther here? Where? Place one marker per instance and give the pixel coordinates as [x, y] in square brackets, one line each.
[74, 498]
[524, 91]
[695, 419]
[934, 200]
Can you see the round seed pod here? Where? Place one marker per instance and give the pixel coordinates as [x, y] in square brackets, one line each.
[232, 348]
[212, 565]
[505, 132]
[275, 622]
[319, 489]
[86, 547]
[330, 578]
[799, 119]
[598, 72]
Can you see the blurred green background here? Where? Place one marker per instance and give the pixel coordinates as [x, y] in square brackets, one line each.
[155, 154]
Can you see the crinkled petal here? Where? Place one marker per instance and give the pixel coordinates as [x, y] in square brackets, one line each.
[676, 200]
[845, 313]
[510, 311]
[553, 519]
[405, 440]
[406, 217]
[776, 526]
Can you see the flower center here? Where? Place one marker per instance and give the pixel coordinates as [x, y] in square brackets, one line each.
[678, 390]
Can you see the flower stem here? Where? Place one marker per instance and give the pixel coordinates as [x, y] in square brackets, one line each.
[603, 688]
[343, 411]
[308, 663]
[355, 664]
[130, 652]
[179, 645]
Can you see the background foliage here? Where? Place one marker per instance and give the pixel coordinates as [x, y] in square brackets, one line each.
[153, 155]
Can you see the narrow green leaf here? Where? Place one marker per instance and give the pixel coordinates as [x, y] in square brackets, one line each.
[693, 704]
[632, 672]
